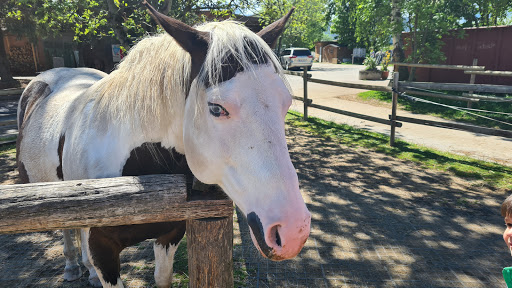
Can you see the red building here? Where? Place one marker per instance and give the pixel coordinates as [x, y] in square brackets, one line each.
[492, 46]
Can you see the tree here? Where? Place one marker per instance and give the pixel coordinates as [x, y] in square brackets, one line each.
[361, 23]
[306, 24]
[91, 20]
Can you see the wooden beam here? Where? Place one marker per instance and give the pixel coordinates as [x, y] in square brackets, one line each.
[487, 98]
[459, 126]
[440, 66]
[355, 115]
[438, 95]
[102, 202]
[302, 99]
[210, 252]
[459, 87]
[12, 91]
[490, 73]
[352, 85]
[296, 73]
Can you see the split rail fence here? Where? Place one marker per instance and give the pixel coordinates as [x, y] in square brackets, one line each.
[126, 201]
[417, 88]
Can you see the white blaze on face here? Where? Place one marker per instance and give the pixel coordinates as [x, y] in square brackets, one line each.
[238, 142]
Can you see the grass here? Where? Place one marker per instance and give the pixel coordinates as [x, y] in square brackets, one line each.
[7, 149]
[447, 113]
[8, 138]
[491, 174]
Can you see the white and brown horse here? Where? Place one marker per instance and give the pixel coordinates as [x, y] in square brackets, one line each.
[209, 100]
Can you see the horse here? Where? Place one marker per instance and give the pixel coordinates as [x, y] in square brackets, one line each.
[207, 101]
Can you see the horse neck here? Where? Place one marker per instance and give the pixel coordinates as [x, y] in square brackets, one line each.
[147, 91]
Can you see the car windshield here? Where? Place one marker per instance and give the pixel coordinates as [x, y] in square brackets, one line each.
[301, 52]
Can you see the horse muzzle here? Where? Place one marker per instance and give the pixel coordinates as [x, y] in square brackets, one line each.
[280, 240]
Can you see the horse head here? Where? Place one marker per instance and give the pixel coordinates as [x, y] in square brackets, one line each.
[234, 133]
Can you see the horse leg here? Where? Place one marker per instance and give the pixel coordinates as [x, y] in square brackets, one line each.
[165, 247]
[94, 280]
[104, 256]
[72, 270]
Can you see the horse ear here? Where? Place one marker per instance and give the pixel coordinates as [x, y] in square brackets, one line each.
[191, 40]
[272, 32]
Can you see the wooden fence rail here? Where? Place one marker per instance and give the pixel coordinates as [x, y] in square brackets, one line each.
[441, 66]
[125, 201]
[490, 73]
[414, 88]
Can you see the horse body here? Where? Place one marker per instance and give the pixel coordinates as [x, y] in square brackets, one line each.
[210, 101]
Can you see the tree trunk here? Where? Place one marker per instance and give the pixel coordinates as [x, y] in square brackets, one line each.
[6, 80]
[398, 44]
[414, 41]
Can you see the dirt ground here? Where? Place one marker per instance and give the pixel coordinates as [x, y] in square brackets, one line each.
[376, 222]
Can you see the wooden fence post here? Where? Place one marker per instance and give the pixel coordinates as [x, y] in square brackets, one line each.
[472, 81]
[393, 109]
[305, 78]
[210, 252]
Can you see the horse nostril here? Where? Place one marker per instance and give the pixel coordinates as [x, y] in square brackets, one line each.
[275, 233]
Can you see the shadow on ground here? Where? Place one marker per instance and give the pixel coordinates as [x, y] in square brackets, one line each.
[382, 222]
[377, 222]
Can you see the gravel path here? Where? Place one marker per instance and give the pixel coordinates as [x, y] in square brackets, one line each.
[474, 145]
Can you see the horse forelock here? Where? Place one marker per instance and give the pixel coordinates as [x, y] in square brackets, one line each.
[152, 82]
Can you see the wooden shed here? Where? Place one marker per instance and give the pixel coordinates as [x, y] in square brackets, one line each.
[330, 51]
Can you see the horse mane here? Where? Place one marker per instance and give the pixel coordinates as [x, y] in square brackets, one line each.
[150, 83]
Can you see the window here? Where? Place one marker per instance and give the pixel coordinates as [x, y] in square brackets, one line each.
[301, 52]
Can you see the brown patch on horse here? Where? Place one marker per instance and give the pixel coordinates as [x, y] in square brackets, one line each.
[106, 243]
[152, 158]
[33, 93]
[59, 151]
[231, 65]
[22, 173]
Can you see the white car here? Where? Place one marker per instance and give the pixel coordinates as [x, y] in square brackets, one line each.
[296, 57]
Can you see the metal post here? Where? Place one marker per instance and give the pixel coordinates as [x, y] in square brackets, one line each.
[305, 78]
[393, 109]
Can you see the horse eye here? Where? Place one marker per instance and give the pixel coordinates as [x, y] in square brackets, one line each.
[217, 110]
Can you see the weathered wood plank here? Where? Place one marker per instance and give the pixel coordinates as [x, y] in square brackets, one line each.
[12, 91]
[355, 115]
[296, 73]
[101, 202]
[438, 95]
[441, 66]
[490, 73]
[459, 87]
[459, 126]
[352, 85]
[210, 252]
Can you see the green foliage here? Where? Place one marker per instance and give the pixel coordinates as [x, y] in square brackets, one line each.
[361, 23]
[492, 174]
[367, 23]
[90, 20]
[370, 63]
[305, 26]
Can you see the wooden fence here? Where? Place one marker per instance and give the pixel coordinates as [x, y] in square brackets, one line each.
[130, 200]
[418, 88]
